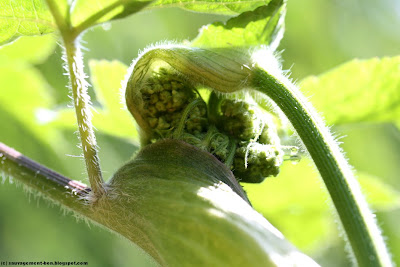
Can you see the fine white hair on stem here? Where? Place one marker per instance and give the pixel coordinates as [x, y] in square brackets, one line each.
[267, 59]
[356, 217]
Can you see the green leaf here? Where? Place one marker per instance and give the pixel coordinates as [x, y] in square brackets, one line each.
[22, 90]
[24, 18]
[373, 148]
[23, 97]
[381, 195]
[223, 7]
[264, 25]
[114, 118]
[111, 118]
[87, 13]
[32, 49]
[358, 91]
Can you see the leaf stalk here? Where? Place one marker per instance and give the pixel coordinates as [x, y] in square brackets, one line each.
[83, 115]
[358, 221]
[81, 99]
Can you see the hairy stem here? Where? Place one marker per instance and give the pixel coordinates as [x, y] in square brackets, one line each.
[81, 99]
[358, 221]
[83, 114]
[67, 192]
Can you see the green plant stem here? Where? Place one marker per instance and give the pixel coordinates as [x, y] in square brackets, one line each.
[83, 114]
[58, 17]
[48, 183]
[358, 221]
[81, 99]
[95, 17]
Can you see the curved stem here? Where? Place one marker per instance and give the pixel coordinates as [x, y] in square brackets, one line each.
[182, 123]
[358, 221]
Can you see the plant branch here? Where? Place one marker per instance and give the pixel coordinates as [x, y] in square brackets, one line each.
[49, 183]
[81, 99]
[58, 17]
[129, 7]
[358, 221]
[83, 114]
[90, 21]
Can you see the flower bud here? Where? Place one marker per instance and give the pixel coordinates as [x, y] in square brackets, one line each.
[161, 93]
[223, 70]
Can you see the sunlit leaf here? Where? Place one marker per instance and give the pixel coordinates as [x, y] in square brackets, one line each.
[90, 12]
[373, 148]
[20, 116]
[114, 118]
[225, 7]
[358, 91]
[22, 90]
[380, 195]
[31, 49]
[24, 18]
[264, 25]
[87, 13]
[290, 200]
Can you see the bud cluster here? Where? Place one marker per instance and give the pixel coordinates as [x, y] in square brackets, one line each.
[258, 151]
[240, 134]
[165, 97]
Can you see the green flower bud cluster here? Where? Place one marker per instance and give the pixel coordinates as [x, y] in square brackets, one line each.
[254, 162]
[165, 97]
[240, 120]
[258, 151]
[219, 146]
[235, 131]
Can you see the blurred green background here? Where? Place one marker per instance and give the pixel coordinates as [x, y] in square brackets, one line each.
[319, 36]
